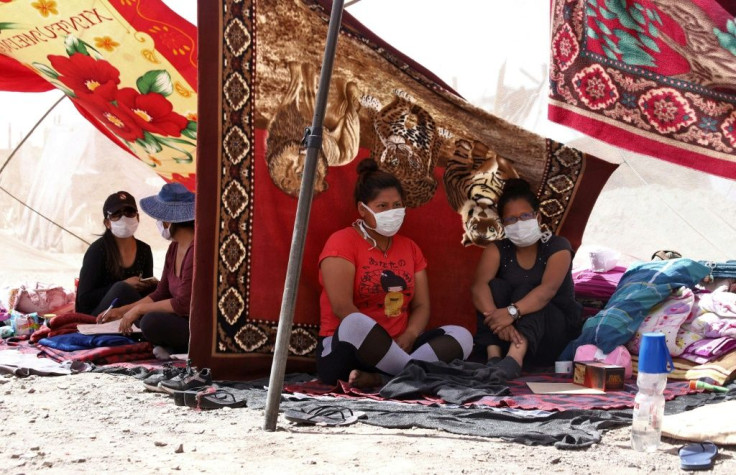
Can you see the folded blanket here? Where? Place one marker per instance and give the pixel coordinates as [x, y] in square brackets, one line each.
[708, 349]
[70, 318]
[46, 332]
[601, 285]
[77, 341]
[722, 304]
[104, 355]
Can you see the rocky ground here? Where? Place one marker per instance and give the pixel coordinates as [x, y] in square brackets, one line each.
[91, 422]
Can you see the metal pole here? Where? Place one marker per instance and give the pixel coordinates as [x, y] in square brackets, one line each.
[313, 142]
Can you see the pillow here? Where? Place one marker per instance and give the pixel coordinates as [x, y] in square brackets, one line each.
[666, 317]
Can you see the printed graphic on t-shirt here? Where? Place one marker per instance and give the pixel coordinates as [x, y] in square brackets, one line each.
[389, 279]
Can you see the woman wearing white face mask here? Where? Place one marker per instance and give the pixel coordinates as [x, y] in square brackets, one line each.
[114, 264]
[523, 288]
[163, 316]
[375, 300]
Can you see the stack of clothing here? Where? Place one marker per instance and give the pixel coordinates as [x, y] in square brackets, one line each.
[594, 289]
[62, 325]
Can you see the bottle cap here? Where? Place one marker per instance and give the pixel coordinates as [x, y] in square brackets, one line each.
[654, 356]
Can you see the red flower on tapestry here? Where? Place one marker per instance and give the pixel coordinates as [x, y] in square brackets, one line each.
[119, 120]
[152, 112]
[565, 47]
[666, 110]
[595, 87]
[86, 76]
[729, 128]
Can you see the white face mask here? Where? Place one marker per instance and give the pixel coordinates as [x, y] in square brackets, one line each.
[388, 222]
[124, 227]
[524, 233]
[165, 232]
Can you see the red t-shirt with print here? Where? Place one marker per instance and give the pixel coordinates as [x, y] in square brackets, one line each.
[383, 286]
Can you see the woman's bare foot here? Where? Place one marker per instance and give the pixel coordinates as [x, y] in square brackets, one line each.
[364, 379]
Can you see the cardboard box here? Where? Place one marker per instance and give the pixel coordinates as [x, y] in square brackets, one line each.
[597, 375]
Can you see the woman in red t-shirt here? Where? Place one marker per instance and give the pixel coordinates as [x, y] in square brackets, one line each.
[375, 295]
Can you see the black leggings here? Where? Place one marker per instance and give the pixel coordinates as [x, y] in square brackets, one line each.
[166, 329]
[545, 330]
[124, 292]
[361, 343]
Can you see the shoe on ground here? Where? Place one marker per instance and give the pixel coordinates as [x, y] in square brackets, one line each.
[169, 372]
[182, 398]
[216, 398]
[184, 383]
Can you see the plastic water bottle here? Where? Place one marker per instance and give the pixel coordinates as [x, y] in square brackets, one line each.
[655, 363]
[646, 428]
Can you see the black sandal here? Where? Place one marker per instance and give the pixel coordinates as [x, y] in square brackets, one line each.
[217, 399]
[324, 416]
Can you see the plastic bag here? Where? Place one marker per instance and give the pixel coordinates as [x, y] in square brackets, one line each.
[41, 299]
[603, 259]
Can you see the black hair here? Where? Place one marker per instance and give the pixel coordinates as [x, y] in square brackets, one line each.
[173, 227]
[372, 180]
[390, 279]
[517, 189]
[113, 259]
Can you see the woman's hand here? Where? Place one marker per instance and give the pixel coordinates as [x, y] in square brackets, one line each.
[126, 323]
[406, 340]
[148, 283]
[134, 282]
[510, 334]
[110, 315]
[495, 317]
[498, 319]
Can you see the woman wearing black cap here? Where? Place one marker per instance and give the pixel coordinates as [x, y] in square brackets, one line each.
[163, 316]
[114, 264]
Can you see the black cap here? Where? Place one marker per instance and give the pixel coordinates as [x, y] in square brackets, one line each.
[117, 201]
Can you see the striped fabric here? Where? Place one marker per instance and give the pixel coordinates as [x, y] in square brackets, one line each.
[719, 371]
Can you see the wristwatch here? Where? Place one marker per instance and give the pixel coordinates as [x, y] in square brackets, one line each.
[514, 311]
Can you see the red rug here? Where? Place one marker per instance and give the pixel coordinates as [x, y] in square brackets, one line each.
[521, 396]
[653, 76]
[138, 354]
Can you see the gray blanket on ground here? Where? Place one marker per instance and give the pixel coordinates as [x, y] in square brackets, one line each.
[574, 429]
[456, 383]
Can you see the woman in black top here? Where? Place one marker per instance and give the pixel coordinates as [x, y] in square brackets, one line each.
[114, 265]
[523, 288]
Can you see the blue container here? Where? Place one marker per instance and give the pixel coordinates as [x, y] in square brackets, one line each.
[654, 357]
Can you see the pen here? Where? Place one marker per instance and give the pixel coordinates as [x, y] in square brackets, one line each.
[104, 314]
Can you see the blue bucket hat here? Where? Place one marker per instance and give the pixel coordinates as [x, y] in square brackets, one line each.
[173, 204]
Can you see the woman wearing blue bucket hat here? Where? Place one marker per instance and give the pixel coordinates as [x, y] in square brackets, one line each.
[163, 316]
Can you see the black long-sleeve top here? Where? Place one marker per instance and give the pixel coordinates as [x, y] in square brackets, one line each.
[95, 279]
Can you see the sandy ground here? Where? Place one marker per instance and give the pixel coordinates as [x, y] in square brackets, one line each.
[108, 423]
[91, 423]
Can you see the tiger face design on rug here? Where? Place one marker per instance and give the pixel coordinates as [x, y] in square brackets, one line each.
[407, 144]
[474, 179]
[285, 154]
